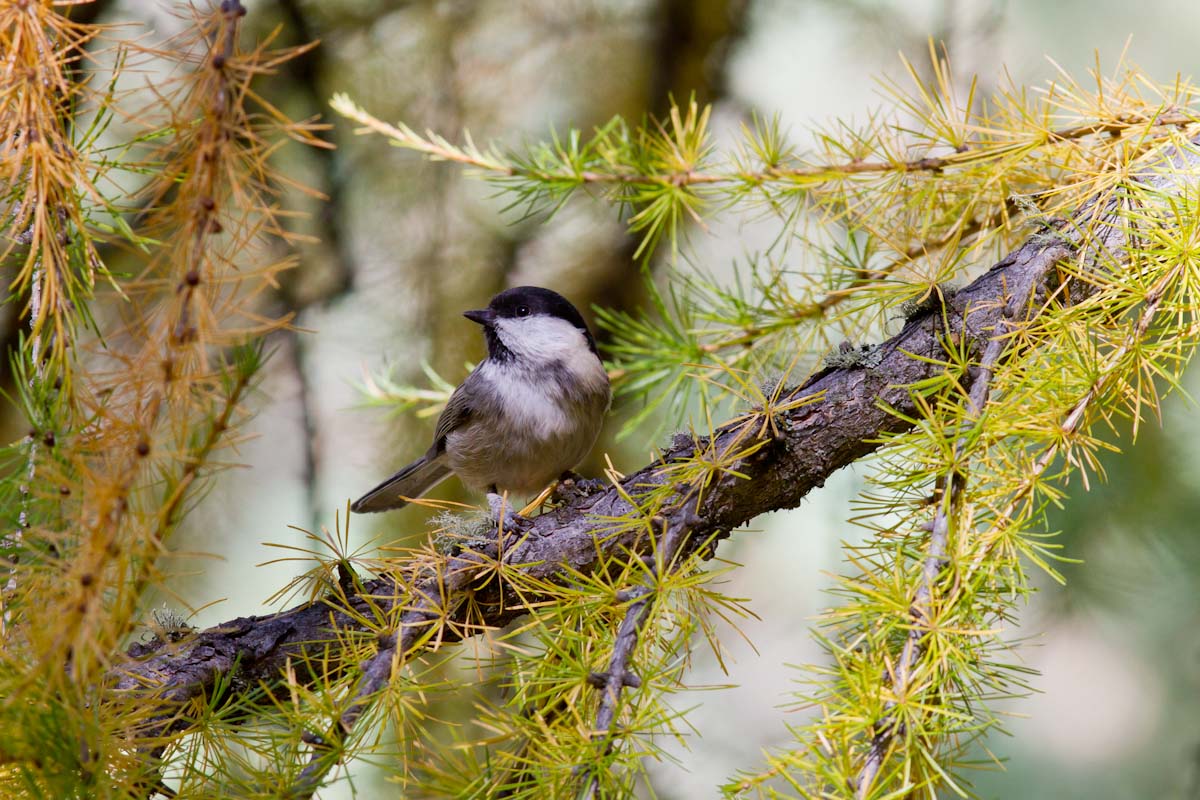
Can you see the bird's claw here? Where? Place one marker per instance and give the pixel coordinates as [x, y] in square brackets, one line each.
[504, 515]
[574, 487]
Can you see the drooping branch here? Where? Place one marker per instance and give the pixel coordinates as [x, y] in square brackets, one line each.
[846, 411]
[939, 535]
[376, 672]
[619, 675]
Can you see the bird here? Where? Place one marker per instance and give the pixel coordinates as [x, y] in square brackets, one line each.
[526, 415]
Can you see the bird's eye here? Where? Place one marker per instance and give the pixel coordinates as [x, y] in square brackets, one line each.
[522, 311]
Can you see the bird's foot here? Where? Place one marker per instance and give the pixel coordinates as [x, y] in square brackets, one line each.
[505, 515]
[572, 486]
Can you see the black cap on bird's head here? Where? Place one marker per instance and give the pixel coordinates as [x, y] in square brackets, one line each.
[527, 301]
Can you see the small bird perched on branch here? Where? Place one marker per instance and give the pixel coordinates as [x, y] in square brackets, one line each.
[526, 415]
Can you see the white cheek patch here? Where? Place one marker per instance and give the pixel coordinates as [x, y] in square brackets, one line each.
[543, 339]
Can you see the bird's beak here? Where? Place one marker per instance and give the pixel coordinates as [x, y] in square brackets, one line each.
[484, 316]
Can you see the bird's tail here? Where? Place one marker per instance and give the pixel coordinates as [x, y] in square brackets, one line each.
[411, 482]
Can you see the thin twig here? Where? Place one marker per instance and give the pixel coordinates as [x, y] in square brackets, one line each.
[938, 539]
[376, 673]
[427, 610]
[659, 564]
[966, 228]
[173, 503]
[438, 149]
[1074, 418]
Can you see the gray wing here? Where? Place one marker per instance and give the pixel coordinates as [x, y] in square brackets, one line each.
[458, 411]
[429, 470]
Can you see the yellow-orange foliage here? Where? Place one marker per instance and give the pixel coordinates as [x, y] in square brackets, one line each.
[142, 406]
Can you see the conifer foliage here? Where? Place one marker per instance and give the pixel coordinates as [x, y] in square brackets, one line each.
[964, 294]
[132, 383]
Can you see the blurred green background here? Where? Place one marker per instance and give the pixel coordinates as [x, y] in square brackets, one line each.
[404, 246]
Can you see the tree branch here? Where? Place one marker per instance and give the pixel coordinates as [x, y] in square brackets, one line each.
[618, 676]
[437, 148]
[844, 414]
[375, 673]
[939, 536]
